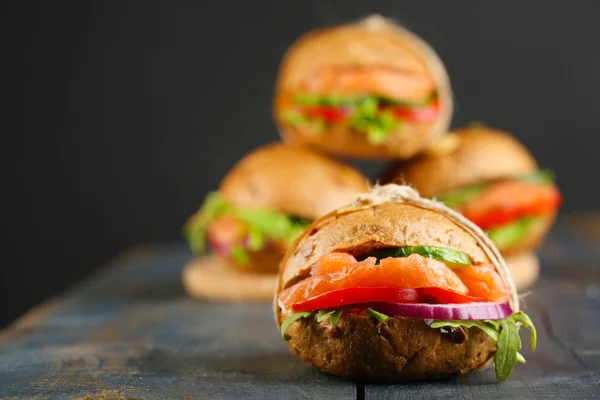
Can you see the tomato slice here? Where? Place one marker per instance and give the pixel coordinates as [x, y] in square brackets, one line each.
[427, 112]
[358, 295]
[329, 114]
[447, 297]
[504, 202]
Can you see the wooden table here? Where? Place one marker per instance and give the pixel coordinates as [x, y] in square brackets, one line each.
[131, 332]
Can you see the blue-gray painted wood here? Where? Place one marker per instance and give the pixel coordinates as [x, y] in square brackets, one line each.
[130, 331]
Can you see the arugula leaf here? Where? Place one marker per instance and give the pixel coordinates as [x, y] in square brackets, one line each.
[335, 317]
[527, 323]
[506, 334]
[322, 314]
[509, 344]
[377, 315]
[452, 258]
[509, 234]
[491, 332]
[290, 320]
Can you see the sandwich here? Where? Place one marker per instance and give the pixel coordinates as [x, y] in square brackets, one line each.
[262, 205]
[397, 287]
[367, 89]
[493, 180]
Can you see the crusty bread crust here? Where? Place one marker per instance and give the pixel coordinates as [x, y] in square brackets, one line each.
[292, 180]
[372, 42]
[471, 155]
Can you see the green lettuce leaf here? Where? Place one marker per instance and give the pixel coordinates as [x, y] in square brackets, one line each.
[459, 197]
[542, 176]
[196, 227]
[366, 117]
[240, 255]
[377, 124]
[505, 333]
[262, 225]
[452, 258]
[506, 235]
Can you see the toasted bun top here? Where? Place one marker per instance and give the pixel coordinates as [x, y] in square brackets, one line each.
[466, 156]
[291, 180]
[390, 216]
[372, 42]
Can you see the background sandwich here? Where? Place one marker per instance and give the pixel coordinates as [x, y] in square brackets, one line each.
[366, 89]
[263, 204]
[492, 179]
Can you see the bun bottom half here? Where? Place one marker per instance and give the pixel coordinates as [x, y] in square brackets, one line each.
[208, 278]
[399, 349]
[341, 140]
[524, 269]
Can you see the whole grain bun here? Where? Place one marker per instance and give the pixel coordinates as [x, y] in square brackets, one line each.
[371, 42]
[524, 269]
[388, 216]
[292, 180]
[357, 347]
[467, 156]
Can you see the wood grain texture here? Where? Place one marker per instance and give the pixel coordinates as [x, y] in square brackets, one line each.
[131, 332]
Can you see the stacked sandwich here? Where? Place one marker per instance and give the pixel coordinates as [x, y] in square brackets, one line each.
[378, 283]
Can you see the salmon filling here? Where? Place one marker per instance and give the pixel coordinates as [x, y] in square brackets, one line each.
[434, 278]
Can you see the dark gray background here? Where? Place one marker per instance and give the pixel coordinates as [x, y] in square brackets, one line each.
[125, 113]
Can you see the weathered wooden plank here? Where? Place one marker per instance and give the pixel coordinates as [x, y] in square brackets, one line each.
[565, 306]
[133, 332]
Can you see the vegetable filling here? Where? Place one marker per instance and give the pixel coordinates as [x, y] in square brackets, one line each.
[237, 231]
[375, 116]
[507, 209]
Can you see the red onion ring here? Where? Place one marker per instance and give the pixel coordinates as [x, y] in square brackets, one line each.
[453, 312]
